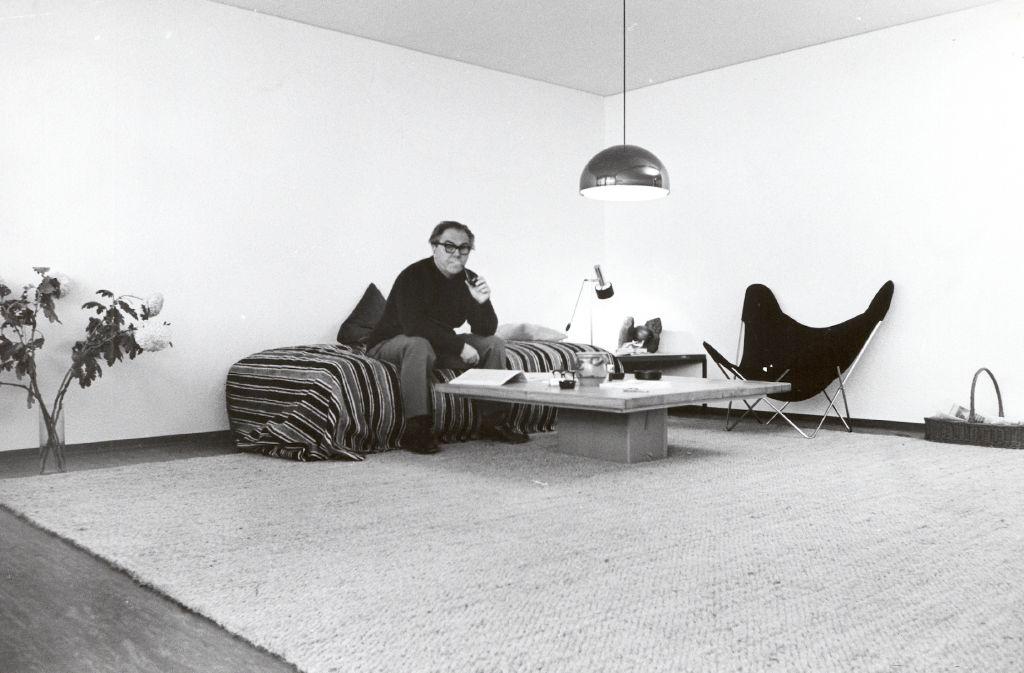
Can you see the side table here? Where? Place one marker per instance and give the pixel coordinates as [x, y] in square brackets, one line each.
[672, 364]
[669, 363]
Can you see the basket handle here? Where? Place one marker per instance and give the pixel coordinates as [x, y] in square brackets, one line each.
[999, 396]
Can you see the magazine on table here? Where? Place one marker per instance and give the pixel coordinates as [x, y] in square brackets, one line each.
[489, 377]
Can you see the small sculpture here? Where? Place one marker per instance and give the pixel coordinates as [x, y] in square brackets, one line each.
[644, 337]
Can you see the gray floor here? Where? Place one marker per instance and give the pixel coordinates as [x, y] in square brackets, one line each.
[25, 462]
[62, 610]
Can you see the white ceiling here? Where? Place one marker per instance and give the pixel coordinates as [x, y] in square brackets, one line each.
[578, 43]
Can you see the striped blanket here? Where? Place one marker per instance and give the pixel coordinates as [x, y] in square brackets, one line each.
[330, 401]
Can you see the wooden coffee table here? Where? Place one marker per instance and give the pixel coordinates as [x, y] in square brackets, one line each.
[625, 424]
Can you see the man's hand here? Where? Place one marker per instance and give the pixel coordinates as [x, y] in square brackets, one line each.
[469, 355]
[480, 291]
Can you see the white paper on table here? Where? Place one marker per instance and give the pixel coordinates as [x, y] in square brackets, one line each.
[488, 377]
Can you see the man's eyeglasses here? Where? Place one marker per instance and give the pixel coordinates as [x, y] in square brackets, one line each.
[451, 248]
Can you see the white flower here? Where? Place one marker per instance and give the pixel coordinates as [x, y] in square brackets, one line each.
[64, 282]
[154, 304]
[153, 336]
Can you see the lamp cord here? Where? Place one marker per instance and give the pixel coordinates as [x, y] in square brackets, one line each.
[623, 72]
[576, 305]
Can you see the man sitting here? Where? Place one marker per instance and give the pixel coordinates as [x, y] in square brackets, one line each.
[430, 298]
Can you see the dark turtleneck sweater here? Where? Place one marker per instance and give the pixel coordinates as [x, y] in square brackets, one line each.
[424, 303]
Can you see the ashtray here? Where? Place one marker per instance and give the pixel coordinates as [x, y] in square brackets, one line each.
[648, 374]
[616, 376]
[566, 385]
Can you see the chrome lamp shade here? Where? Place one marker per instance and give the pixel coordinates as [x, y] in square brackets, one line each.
[624, 173]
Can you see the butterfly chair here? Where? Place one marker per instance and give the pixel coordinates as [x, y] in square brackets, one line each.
[778, 348]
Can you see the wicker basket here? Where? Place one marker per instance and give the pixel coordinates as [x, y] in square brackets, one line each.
[972, 432]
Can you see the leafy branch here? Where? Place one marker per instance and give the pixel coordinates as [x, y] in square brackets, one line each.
[117, 329]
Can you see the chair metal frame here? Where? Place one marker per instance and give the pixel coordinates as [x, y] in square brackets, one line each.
[841, 377]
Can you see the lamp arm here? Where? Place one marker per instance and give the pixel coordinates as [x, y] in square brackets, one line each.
[576, 305]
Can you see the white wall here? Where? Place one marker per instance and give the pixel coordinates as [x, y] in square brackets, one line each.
[823, 173]
[260, 173]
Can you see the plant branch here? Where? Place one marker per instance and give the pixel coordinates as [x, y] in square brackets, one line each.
[58, 401]
[37, 394]
[109, 336]
[35, 318]
[17, 330]
[50, 429]
[99, 344]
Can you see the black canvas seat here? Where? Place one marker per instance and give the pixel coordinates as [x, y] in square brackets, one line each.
[778, 348]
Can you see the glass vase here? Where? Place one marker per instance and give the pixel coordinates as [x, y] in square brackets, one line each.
[51, 444]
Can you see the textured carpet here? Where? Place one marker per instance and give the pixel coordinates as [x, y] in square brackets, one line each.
[743, 551]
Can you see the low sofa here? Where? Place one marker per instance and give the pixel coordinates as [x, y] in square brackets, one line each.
[331, 401]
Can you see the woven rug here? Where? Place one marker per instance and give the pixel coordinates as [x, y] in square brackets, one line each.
[745, 551]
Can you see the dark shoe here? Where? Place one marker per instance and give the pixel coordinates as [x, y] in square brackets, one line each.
[423, 443]
[418, 436]
[503, 432]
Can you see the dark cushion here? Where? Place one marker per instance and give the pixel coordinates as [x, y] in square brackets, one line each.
[355, 331]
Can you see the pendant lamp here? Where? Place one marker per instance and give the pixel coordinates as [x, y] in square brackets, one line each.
[624, 172]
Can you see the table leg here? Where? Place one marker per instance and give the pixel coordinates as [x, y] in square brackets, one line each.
[704, 373]
[623, 438]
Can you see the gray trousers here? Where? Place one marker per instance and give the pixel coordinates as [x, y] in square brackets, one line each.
[416, 359]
